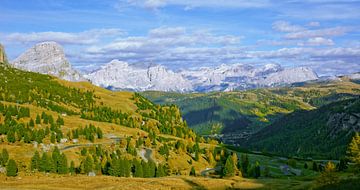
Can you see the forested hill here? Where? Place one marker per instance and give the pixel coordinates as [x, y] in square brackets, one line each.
[321, 133]
[243, 112]
[51, 125]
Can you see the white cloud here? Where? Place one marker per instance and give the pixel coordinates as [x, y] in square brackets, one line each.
[283, 26]
[327, 32]
[81, 38]
[319, 41]
[314, 24]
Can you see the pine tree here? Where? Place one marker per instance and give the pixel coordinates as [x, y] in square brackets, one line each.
[146, 170]
[11, 168]
[115, 168]
[315, 167]
[228, 169]
[354, 151]
[11, 136]
[192, 171]
[160, 172]
[196, 156]
[31, 123]
[56, 158]
[35, 161]
[52, 138]
[127, 168]
[152, 168]
[99, 133]
[306, 166]
[63, 166]
[138, 169]
[45, 166]
[72, 168]
[5, 157]
[88, 165]
[244, 164]
[38, 120]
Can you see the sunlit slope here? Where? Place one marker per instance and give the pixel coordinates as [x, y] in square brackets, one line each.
[229, 112]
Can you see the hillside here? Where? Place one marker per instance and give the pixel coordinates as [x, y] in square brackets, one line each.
[244, 112]
[41, 115]
[323, 133]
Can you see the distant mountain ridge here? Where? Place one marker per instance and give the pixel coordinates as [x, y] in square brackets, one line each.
[49, 58]
[118, 75]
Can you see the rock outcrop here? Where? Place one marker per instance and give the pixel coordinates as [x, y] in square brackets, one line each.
[3, 58]
[47, 58]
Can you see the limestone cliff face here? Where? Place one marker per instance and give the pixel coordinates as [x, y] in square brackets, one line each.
[3, 58]
[47, 58]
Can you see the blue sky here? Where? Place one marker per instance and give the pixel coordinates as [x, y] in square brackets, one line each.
[321, 34]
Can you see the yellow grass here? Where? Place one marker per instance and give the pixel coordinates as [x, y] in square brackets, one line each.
[41, 181]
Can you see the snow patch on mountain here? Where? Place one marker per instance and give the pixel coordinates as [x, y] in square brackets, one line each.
[47, 58]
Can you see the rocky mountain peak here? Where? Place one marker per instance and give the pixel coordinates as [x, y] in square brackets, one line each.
[3, 58]
[47, 58]
[118, 75]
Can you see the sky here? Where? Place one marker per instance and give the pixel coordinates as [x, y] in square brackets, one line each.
[183, 34]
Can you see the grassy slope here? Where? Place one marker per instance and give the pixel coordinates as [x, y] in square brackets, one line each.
[116, 100]
[229, 112]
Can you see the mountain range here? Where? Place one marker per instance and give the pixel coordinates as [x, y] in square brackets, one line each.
[49, 58]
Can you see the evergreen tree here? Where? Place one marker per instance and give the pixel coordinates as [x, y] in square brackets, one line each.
[11, 136]
[88, 165]
[192, 171]
[315, 167]
[60, 121]
[35, 161]
[99, 133]
[244, 164]
[72, 168]
[63, 166]
[152, 168]
[4, 157]
[45, 165]
[196, 156]
[127, 168]
[343, 164]
[52, 138]
[138, 169]
[115, 169]
[160, 172]
[56, 158]
[146, 170]
[354, 151]
[228, 169]
[11, 168]
[31, 123]
[38, 120]
[257, 170]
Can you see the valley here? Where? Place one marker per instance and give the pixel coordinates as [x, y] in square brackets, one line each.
[57, 133]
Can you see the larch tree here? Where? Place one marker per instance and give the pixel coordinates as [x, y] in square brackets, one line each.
[354, 151]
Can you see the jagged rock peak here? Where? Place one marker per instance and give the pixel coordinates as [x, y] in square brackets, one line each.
[47, 58]
[119, 75]
[3, 58]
